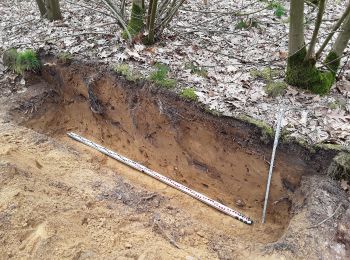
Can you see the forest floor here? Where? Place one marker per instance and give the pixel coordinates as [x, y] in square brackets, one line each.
[64, 201]
[61, 200]
[205, 49]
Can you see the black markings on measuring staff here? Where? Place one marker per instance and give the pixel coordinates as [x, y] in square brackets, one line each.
[166, 180]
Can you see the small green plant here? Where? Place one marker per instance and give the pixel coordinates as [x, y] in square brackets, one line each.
[65, 57]
[338, 103]
[160, 76]
[246, 24]
[275, 88]
[20, 62]
[189, 94]
[27, 60]
[266, 73]
[9, 58]
[196, 70]
[126, 71]
[278, 8]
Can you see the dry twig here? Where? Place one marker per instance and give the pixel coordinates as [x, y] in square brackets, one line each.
[157, 223]
[323, 221]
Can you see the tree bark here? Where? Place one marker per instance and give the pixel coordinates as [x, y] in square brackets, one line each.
[301, 71]
[311, 51]
[53, 10]
[333, 58]
[334, 29]
[150, 4]
[296, 27]
[42, 7]
[50, 9]
[152, 18]
[136, 22]
[343, 38]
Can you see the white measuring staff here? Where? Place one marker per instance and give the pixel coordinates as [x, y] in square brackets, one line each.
[164, 179]
[275, 143]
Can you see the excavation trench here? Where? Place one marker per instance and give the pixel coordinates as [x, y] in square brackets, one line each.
[221, 157]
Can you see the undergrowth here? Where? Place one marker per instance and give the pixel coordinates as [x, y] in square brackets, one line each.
[338, 103]
[65, 57]
[189, 94]
[275, 88]
[266, 73]
[196, 70]
[126, 71]
[20, 62]
[278, 8]
[160, 76]
[247, 24]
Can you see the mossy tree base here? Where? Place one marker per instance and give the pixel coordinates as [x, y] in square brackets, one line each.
[304, 74]
[136, 23]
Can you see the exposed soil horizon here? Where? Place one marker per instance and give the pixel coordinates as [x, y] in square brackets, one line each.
[223, 158]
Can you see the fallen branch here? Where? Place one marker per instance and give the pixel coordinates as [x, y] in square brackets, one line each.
[280, 200]
[323, 221]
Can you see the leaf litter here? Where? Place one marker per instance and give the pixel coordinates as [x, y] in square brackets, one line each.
[207, 36]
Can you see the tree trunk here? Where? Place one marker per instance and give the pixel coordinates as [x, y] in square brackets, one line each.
[343, 38]
[311, 51]
[136, 23]
[42, 7]
[334, 29]
[53, 10]
[50, 9]
[296, 27]
[301, 71]
[152, 18]
[333, 58]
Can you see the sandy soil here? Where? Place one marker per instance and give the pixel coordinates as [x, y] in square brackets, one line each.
[61, 200]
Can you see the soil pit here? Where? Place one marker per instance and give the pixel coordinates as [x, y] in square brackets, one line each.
[221, 157]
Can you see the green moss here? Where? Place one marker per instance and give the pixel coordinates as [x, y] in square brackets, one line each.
[26, 61]
[266, 73]
[333, 147]
[196, 70]
[278, 8]
[332, 105]
[135, 24]
[160, 76]
[304, 74]
[275, 88]
[332, 62]
[189, 94]
[246, 24]
[338, 103]
[266, 130]
[126, 71]
[65, 57]
[9, 58]
[287, 139]
[340, 167]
